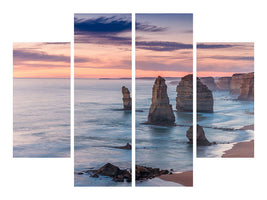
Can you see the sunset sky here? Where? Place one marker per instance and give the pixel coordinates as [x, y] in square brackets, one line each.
[41, 60]
[164, 45]
[102, 45]
[224, 59]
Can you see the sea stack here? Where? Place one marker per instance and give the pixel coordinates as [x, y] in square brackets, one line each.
[160, 112]
[224, 83]
[184, 99]
[204, 98]
[236, 83]
[209, 82]
[201, 138]
[247, 87]
[127, 100]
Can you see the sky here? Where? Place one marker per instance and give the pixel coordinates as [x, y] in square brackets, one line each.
[224, 59]
[41, 60]
[164, 45]
[102, 42]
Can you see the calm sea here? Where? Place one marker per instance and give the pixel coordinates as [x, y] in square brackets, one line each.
[99, 125]
[161, 147]
[41, 118]
[228, 113]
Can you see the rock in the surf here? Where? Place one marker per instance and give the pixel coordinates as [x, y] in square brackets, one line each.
[201, 137]
[127, 100]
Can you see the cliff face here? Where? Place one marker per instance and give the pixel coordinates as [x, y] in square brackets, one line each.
[209, 82]
[184, 99]
[201, 138]
[247, 87]
[204, 98]
[236, 83]
[224, 83]
[127, 100]
[160, 112]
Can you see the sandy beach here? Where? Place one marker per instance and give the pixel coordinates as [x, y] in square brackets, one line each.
[184, 178]
[241, 150]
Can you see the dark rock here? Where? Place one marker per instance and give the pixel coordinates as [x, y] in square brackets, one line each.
[209, 82]
[127, 100]
[127, 146]
[201, 138]
[143, 173]
[94, 175]
[108, 170]
[224, 83]
[160, 112]
[247, 87]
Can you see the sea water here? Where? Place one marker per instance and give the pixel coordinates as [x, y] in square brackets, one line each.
[159, 146]
[228, 113]
[41, 118]
[100, 124]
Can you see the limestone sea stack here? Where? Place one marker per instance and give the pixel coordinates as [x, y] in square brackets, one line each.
[247, 87]
[236, 83]
[209, 82]
[127, 100]
[224, 83]
[184, 99]
[160, 112]
[204, 98]
[201, 137]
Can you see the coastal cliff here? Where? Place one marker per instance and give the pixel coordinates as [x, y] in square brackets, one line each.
[160, 112]
[236, 83]
[247, 87]
[224, 83]
[127, 100]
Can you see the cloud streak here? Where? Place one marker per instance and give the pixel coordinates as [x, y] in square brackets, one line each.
[162, 45]
[244, 58]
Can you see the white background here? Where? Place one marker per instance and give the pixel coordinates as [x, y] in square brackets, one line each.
[47, 21]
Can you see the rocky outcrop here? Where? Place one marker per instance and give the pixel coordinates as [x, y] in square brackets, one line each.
[127, 146]
[110, 170]
[127, 100]
[201, 138]
[224, 83]
[160, 112]
[209, 82]
[184, 99]
[143, 173]
[204, 98]
[247, 87]
[236, 83]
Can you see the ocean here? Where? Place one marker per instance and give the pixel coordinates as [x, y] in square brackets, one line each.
[99, 124]
[228, 113]
[41, 118]
[158, 146]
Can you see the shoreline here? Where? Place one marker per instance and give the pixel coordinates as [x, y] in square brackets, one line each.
[240, 150]
[183, 178]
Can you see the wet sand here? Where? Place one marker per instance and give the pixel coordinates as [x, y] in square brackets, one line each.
[184, 178]
[241, 150]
